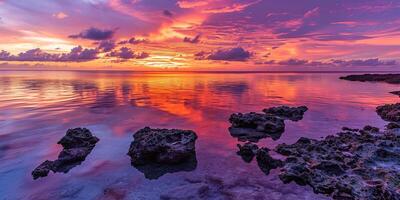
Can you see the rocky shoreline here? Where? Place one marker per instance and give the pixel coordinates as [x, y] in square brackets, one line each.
[387, 78]
[271, 123]
[354, 164]
[359, 164]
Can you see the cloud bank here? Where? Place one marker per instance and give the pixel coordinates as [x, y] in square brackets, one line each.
[233, 54]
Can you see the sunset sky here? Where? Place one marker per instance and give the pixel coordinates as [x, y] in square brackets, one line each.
[200, 34]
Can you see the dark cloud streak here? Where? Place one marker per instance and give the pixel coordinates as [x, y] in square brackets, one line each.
[94, 34]
[233, 54]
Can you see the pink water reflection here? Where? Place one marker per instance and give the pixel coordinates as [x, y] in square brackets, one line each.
[36, 108]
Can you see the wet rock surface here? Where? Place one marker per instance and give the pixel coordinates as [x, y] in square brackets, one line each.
[255, 126]
[77, 143]
[265, 162]
[389, 112]
[286, 112]
[247, 151]
[158, 151]
[387, 78]
[354, 164]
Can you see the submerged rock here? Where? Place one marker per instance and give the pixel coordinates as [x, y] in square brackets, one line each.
[388, 78]
[247, 151]
[286, 112]
[156, 170]
[389, 112]
[77, 143]
[241, 185]
[266, 162]
[255, 126]
[393, 125]
[359, 165]
[159, 151]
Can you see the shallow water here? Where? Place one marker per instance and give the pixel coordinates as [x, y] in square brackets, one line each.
[36, 109]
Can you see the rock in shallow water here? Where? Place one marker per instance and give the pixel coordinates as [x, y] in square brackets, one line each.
[266, 162]
[255, 126]
[247, 151]
[352, 165]
[286, 112]
[389, 112]
[159, 151]
[77, 143]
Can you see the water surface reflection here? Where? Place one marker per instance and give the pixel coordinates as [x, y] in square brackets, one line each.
[36, 108]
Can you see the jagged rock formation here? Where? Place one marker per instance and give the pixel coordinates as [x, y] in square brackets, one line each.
[77, 143]
[159, 151]
[255, 126]
[355, 164]
[389, 112]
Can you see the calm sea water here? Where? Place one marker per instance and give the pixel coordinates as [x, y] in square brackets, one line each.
[36, 109]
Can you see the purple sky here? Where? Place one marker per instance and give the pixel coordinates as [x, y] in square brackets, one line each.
[201, 34]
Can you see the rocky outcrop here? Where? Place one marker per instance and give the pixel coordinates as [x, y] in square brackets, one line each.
[255, 126]
[355, 164]
[387, 78]
[389, 112]
[286, 112]
[265, 162]
[247, 151]
[77, 143]
[159, 151]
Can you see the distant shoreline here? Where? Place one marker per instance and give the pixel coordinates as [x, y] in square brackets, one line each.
[195, 72]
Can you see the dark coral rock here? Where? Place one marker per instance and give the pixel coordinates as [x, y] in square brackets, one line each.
[388, 78]
[255, 126]
[285, 112]
[369, 129]
[43, 169]
[393, 125]
[266, 162]
[350, 129]
[257, 121]
[247, 151]
[77, 143]
[159, 151]
[359, 165]
[389, 112]
[78, 137]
